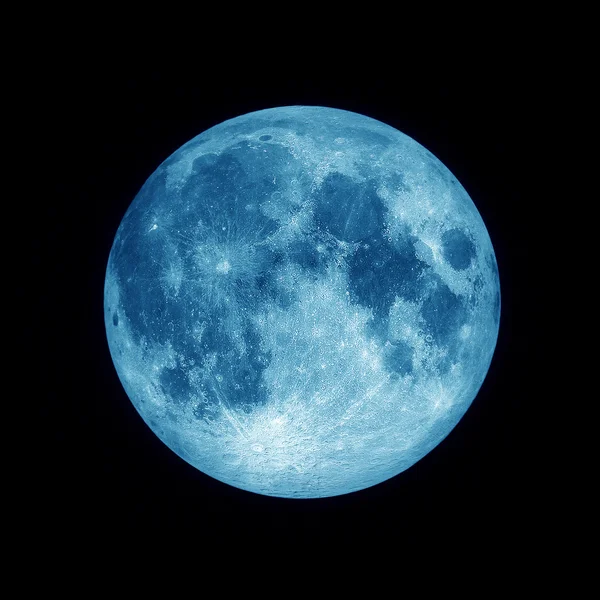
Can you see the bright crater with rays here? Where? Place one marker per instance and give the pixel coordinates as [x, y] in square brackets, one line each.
[302, 302]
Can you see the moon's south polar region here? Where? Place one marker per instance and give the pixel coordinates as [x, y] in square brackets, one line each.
[302, 302]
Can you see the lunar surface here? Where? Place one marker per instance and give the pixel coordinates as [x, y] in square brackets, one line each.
[302, 302]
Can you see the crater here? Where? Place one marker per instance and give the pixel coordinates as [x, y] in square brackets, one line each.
[223, 267]
[265, 138]
[115, 319]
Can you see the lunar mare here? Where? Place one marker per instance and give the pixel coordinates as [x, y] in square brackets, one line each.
[302, 302]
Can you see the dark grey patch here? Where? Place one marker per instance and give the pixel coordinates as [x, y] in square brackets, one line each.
[348, 210]
[221, 186]
[239, 126]
[266, 287]
[458, 249]
[473, 297]
[139, 262]
[242, 384]
[191, 145]
[437, 166]
[377, 327]
[494, 266]
[151, 195]
[138, 273]
[497, 307]
[380, 272]
[215, 185]
[115, 319]
[305, 255]
[235, 380]
[213, 337]
[396, 181]
[175, 384]
[361, 134]
[265, 138]
[398, 357]
[295, 125]
[285, 299]
[443, 312]
[194, 143]
[491, 261]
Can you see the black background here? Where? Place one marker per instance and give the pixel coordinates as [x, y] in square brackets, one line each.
[95, 469]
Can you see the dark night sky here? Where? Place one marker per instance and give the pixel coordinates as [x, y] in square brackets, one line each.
[95, 463]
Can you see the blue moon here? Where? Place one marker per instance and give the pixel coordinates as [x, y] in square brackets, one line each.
[302, 302]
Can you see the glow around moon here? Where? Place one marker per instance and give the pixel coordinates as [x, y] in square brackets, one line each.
[302, 302]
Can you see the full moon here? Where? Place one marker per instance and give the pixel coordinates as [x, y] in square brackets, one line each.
[302, 302]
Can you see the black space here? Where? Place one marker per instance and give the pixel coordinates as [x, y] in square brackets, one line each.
[93, 469]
